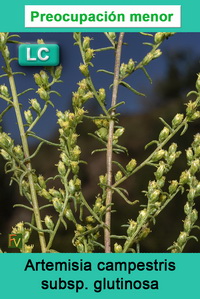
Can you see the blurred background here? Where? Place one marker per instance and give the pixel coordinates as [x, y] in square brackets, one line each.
[173, 75]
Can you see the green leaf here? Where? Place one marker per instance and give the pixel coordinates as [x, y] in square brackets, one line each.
[125, 84]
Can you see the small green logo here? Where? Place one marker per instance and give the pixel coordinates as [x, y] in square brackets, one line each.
[15, 241]
[39, 55]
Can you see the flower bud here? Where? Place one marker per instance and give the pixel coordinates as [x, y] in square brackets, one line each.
[159, 37]
[90, 219]
[182, 239]
[185, 177]
[35, 105]
[86, 42]
[77, 184]
[173, 187]
[154, 196]
[71, 186]
[187, 208]
[194, 216]
[61, 168]
[160, 170]
[117, 248]
[189, 154]
[28, 116]
[130, 65]
[74, 166]
[103, 179]
[4, 154]
[18, 151]
[118, 176]
[4, 91]
[43, 94]
[75, 153]
[196, 141]
[144, 233]
[89, 54]
[123, 69]
[6, 52]
[48, 222]
[102, 133]
[44, 193]
[187, 225]
[161, 182]
[142, 215]
[69, 215]
[177, 120]
[44, 77]
[58, 72]
[132, 227]
[102, 94]
[26, 236]
[58, 204]
[41, 181]
[84, 69]
[80, 228]
[194, 167]
[157, 53]
[112, 35]
[131, 165]
[147, 58]
[119, 132]
[38, 79]
[5, 140]
[2, 38]
[158, 155]
[191, 194]
[87, 96]
[163, 134]
[76, 35]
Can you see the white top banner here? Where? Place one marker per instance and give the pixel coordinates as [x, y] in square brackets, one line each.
[97, 16]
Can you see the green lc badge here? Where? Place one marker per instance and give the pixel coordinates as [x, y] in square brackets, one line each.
[39, 55]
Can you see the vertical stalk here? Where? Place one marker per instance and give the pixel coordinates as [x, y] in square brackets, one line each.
[109, 156]
[28, 165]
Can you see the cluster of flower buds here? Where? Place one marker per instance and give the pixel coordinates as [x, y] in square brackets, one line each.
[151, 56]
[159, 37]
[25, 232]
[99, 208]
[126, 69]
[82, 95]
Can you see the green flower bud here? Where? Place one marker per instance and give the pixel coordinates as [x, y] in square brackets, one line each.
[48, 222]
[195, 164]
[103, 179]
[185, 177]
[18, 151]
[198, 82]
[75, 153]
[90, 219]
[58, 72]
[154, 196]
[89, 54]
[102, 94]
[86, 42]
[2, 38]
[5, 140]
[177, 120]
[123, 69]
[77, 184]
[112, 35]
[158, 155]
[142, 215]
[58, 204]
[159, 37]
[61, 168]
[118, 176]
[44, 193]
[161, 182]
[41, 181]
[5, 155]
[189, 154]
[196, 141]
[76, 35]
[38, 79]
[4, 91]
[102, 133]
[163, 134]
[193, 216]
[191, 194]
[19, 228]
[147, 58]
[80, 248]
[74, 166]
[117, 248]
[119, 132]
[54, 193]
[187, 208]
[43, 94]
[172, 148]
[84, 69]
[35, 105]
[131, 165]
[157, 53]
[44, 77]
[187, 225]
[69, 215]
[6, 52]
[173, 187]
[144, 233]
[71, 187]
[182, 239]
[130, 65]
[195, 115]
[80, 228]
[132, 227]
[28, 116]
[87, 96]
[160, 170]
